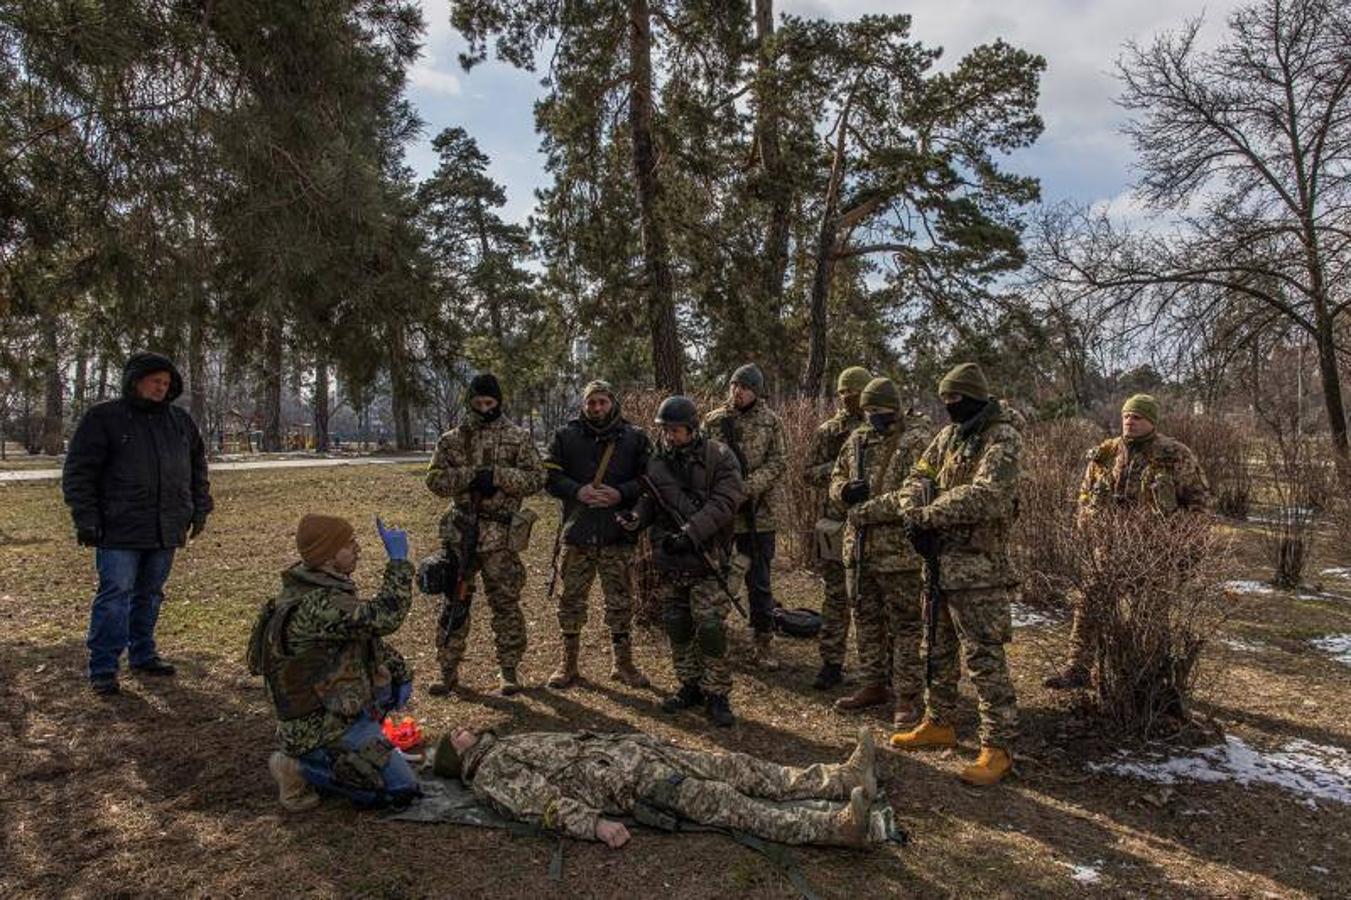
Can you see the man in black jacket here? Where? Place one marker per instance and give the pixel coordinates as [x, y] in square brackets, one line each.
[135, 481]
[593, 465]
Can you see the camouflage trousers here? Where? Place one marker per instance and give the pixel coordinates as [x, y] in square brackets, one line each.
[888, 617]
[834, 638]
[1082, 634]
[694, 610]
[734, 790]
[578, 569]
[979, 622]
[503, 577]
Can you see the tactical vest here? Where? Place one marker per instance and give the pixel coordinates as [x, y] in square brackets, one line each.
[331, 676]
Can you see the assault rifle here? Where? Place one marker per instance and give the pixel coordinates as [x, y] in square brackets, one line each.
[927, 544]
[455, 607]
[851, 575]
[681, 521]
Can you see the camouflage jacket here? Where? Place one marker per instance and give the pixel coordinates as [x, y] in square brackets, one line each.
[325, 615]
[565, 781]
[517, 472]
[887, 460]
[825, 447]
[973, 470]
[1159, 468]
[758, 434]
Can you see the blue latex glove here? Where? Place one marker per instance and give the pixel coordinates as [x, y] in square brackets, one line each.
[395, 541]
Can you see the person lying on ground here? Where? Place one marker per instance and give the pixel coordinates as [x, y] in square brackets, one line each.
[580, 784]
[329, 674]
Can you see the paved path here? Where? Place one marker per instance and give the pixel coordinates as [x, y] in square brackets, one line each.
[55, 474]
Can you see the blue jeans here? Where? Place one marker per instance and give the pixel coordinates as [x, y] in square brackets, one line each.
[400, 782]
[126, 607]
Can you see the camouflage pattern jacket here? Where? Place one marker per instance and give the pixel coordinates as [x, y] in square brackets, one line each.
[564, 781]
[887, 460]
[973, 470]
[1161, 470]
[758, 434]
[517, 473]
[825, 447]
[326, 618]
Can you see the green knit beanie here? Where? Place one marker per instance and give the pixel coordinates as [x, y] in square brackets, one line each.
[966, 379]
[1142, 405]
[749, 376]
[446, 760]
[853, 380]
[881, 392]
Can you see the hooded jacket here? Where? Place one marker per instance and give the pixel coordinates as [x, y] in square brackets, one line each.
[574, 456]
[702, 482]
[136, 469]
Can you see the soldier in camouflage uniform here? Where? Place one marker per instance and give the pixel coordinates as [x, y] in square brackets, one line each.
[593, 465]
[825, 449]
[877, 551]
[570, 783]
[698, 480]
[486, 466]
[961, 498]
[754, 432]
[1141, 468]
[329, 674]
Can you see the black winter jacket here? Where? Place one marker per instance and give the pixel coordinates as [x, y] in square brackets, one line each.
[574, 455]
[702, 482]
[136, 470]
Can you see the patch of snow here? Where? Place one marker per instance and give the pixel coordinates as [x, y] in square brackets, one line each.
[1338, 646]
[1248, 587]
[1313, 771]
[1090, 874]
[1244, 646]
[1286, 515]
[1339, 572]
[1027, 617]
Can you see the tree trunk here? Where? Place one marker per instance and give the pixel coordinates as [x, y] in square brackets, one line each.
[667, 359]
[321, 407]
[53, 423]
[401, 389]
[817, 347]
[773, 178]
[197, 374]
[1332, 395]
[270, 400]
[80, 391]
[102, 393]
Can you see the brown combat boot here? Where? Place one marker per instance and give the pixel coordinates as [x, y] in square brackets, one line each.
[450, 677]
[865, 697]
[764, 652]
[926, 735]
[989, 768]
[906, 714]
[566, 673]
[851, 823]
[508, 682]
[623, 670]
[293, 792]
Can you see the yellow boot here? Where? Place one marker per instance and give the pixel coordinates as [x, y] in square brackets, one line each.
[989, 768]
[926, 735]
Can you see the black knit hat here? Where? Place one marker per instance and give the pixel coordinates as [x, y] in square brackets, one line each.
[485, 384]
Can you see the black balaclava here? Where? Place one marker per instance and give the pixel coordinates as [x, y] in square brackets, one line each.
[485, 385]
[881, 422]
[965, 409]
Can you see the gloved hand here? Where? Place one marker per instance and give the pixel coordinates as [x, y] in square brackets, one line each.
[677, 544]
[395, 541]
[89, 535]
[924, 540]
[855, 491]
[197, 527]
[482, 482]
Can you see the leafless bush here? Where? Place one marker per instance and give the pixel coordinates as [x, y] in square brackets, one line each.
[1225, 452]
[1151, 594]
[1299, 491]
[1043, 537]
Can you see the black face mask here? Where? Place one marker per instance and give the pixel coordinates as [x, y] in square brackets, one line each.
[489, 416]
[965, 409]
[882, 421]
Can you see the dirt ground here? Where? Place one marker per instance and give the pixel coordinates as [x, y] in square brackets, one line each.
[164, 790]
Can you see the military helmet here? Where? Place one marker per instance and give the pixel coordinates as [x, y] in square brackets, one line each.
[678, 410]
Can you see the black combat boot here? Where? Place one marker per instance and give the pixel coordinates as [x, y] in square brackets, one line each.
[831, 674]
[156, 667]
[689, 696]
[720, 710]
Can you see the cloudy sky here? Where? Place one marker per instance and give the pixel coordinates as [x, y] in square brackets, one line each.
[1081, 156]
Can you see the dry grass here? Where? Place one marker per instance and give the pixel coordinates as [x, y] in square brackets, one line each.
[163, 791]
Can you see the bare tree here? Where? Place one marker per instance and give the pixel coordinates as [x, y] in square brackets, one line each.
[1250, 144]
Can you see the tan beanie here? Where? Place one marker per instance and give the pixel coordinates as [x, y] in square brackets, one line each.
[967, 380]
[881, 393]
[319, 538]
[853, 380]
